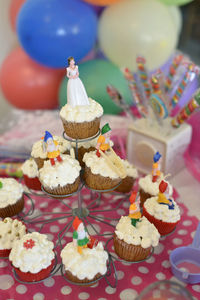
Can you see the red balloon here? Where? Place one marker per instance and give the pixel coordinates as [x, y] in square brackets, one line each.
[102, 2]
[27, 85]
[14, 10]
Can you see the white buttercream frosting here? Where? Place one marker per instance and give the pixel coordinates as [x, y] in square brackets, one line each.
[32, 259]
[152, 188]
[161, 211]
[10, 231]
[98, 165]
[130, 169]
[30, 168]
[85, 265]
[144, 234]
[11, 192]
[88, 144]
[62, 173]
[37, 149]
[82, 113]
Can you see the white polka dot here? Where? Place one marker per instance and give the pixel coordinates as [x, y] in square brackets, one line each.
[159, 249]
[102, 299]
[3, 264]
[192, 234]
[196, 288]
[106, 195]
[95, 285]
[187, 223]
[143, 270]
[50, 236]
[136, 280]
[107, 207]
[86, 197]
[110, 232]
[151, 260]
[166, 264]
[54, 228]
[38, 296]
[160, 276]
[128, 294]
[21, 289]
[182, 232]
[56, 209]
[62, 221]
[177, 241]
[109, 290]
[49, 282]
[120, 211]
[91, 230]
[69, 234]
[120, 275]
[66, 290]
[83, 296]
[126, 204]
[114, 222]
[48, 217]
[6, 281]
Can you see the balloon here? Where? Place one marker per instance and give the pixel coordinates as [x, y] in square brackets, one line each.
[96, 75]
[177, 17]
[175, 2]
[28, 85]
[50, 31]
[102, 2]
[131, 28]
[14, 10]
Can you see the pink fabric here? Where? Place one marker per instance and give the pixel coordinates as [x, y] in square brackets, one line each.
[132, 279]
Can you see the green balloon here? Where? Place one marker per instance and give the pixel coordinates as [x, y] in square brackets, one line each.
[175, 2]
[96, 75]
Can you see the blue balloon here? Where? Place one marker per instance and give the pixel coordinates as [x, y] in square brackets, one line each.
[51, 30]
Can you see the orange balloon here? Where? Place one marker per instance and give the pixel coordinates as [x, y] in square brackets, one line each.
[102, 2]
[14, 10]
[26, 84]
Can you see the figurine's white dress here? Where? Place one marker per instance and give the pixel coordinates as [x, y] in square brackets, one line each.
[76, 93]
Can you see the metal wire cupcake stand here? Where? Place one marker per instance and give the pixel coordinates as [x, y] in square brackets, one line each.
[87, 214]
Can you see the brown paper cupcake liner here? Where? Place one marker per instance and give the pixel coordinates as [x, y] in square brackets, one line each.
[99, 182]
[64, 190]
[81, 152]
[144, 196]
[81, 130]
[75, 279]
[13, 209]
[130, 252]
[126, 185]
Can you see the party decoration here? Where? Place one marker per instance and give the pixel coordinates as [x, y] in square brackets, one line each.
[177, 17]
[175, 2]
[96, 75]
[129, 28]
[172, 71]
[101, 2]
[28, 85]
[61, 28]
[14, 10]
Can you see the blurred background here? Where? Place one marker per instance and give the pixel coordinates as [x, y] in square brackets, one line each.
[37, 36]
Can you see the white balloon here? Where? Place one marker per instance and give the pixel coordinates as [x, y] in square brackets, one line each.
[177, 17]
[137, 27]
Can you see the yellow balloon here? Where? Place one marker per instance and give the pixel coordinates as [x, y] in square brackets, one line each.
[177, 17]
[140, 27]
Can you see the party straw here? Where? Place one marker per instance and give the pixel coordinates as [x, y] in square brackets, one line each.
[186, 112]
[143, 75]
[172, 71]
[10, 169]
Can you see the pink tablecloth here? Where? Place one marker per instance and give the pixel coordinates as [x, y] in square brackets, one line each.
[132, 279]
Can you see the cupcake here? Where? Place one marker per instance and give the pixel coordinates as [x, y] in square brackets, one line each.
[32, 257]
[164, 217]
[134, 243]
[30, 173]
[98, 174]
[10, 231]
[128, 182]
[11, 197]
[62, 178]
[81, 121]
[40, 155]
[148, 188]
[84, 260]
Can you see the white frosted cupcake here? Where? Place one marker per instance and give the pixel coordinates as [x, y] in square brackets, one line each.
[11, 197]
[164, 218]
[128, 182]
[30, 173]
[40, 155]
[134, 243]
[85, 267]
[61, 179]
[10, 231]
[98, 175]
[148, 189]
[81, 121]
[32, 257]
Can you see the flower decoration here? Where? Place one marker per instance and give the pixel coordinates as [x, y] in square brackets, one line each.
[29, 244]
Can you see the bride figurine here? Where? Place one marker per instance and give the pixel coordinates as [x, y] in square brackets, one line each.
[76, 93]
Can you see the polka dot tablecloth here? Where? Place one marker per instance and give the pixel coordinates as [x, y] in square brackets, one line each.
[132, 279]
